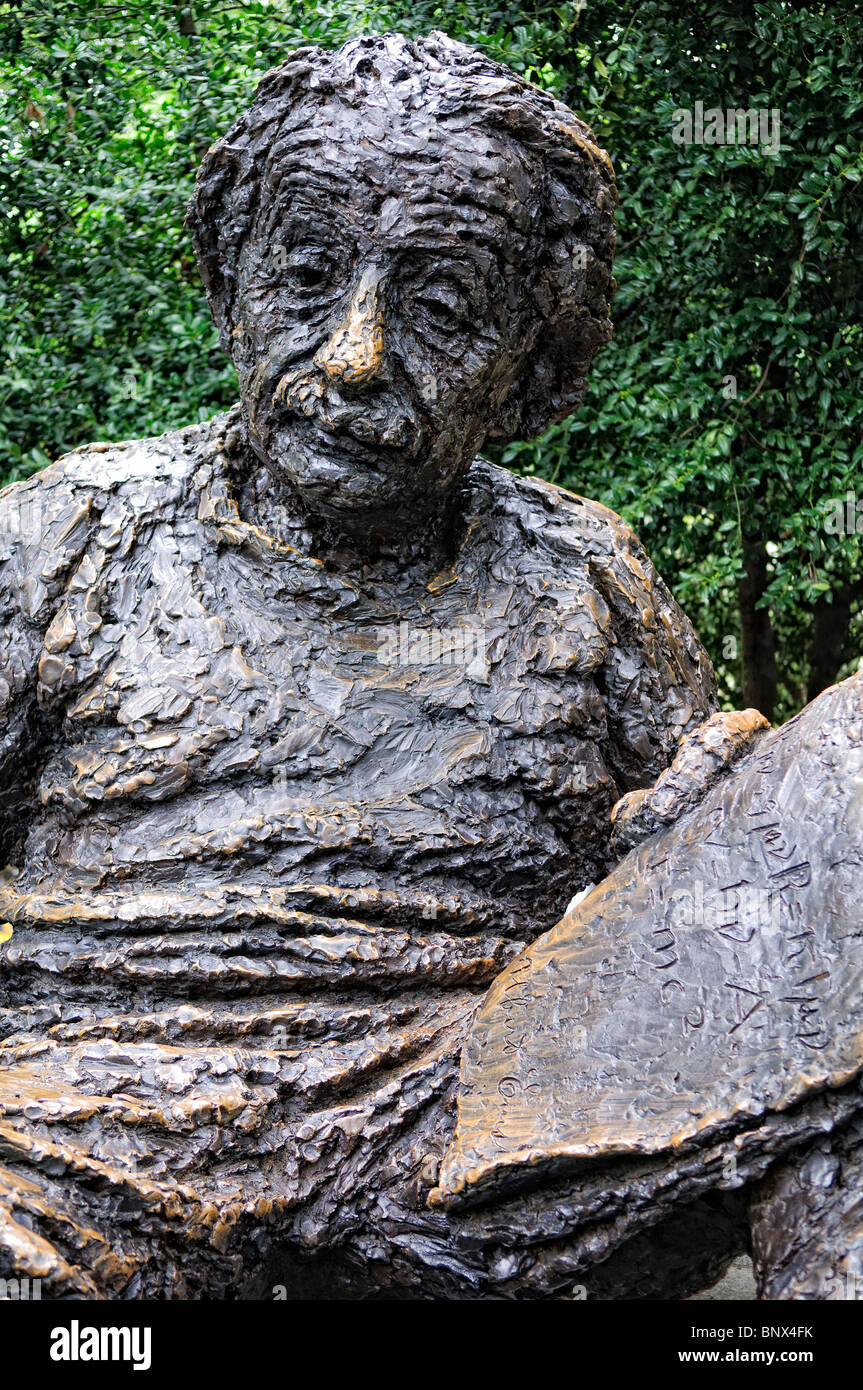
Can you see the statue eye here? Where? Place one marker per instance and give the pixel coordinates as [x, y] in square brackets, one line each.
[306, 269]
[437, 308]
[308, 276]
[443, 304]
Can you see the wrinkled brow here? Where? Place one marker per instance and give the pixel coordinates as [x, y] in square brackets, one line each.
[417, 206]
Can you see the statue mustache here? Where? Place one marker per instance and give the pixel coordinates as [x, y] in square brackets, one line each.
[390, 421]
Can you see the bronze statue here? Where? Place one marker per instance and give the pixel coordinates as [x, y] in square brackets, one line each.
[313, 720]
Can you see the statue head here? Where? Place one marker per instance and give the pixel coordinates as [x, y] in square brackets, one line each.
[407, 250]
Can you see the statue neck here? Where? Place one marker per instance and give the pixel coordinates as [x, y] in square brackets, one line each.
[413, 539]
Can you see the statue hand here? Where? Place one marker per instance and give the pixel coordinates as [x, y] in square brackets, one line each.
[704, 755]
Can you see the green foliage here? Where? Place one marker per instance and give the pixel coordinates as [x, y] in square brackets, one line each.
[734, 261]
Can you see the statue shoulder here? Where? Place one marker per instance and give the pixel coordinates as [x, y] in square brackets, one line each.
[658, 680]
[581, 538]
[565, 522]
[50, 525]
[48, 520]
[106, 467]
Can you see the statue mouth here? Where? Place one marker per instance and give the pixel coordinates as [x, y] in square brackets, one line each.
[312, 432]
[388, 424]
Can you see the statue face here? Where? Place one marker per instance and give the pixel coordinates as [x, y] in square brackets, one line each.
[381, 306]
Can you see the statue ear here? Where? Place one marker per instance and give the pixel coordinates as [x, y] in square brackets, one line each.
[572, 294]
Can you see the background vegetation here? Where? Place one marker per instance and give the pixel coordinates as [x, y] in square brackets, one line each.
[733, 262]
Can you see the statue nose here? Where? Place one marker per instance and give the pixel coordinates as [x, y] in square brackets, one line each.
[355, 352]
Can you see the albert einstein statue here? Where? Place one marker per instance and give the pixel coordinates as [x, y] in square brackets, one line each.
[312, 718]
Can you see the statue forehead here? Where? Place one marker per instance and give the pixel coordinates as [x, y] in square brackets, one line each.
[379, 157]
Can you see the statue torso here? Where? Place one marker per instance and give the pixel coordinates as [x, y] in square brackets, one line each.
[273, 847]
[235, 731]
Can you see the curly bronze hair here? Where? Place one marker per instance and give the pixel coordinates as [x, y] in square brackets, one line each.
[573, 189]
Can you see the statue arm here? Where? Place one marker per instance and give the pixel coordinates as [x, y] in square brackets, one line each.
[43, 529]
[670, 744]
[20, 644]
[657, 678]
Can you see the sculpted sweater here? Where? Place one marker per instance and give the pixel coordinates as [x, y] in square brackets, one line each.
[278, 829]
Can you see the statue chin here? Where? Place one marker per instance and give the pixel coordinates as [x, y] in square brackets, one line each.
[347, 482]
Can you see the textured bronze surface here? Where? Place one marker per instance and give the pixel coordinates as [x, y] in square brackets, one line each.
[312, 720]
[712, 977]
[807, 1223]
